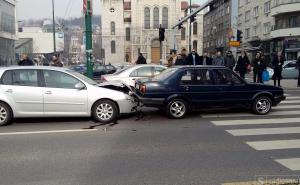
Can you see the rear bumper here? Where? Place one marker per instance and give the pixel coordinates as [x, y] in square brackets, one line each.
[278, 99]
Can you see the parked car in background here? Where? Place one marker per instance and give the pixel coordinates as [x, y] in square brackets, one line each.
[121, 66]
[78, 68]
[98, 70]
[33, 91]
[289, 70]
[182, 89]
[130, 74]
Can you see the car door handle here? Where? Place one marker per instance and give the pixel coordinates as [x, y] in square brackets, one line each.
[48, 92]
[9, 91]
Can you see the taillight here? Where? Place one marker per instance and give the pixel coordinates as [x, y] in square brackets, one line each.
[143, 88]
[103, 79]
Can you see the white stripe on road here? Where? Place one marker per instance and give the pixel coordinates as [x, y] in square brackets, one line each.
[264, 131]
[293, 97]
[290, 101]
[256, 121]
[292, 164]
[228, 115]
[288, 106]
[275, 145]
[46, 132]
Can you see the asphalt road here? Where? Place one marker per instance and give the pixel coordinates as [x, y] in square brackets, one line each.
[152, 151]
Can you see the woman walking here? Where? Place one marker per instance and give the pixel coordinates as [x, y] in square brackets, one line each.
[277, 67]
[258, 67]
[242, 64]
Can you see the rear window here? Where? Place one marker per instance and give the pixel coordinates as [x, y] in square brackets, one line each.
[165, 74]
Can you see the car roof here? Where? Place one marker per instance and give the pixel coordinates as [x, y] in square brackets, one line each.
[33, 67]
[200, 67]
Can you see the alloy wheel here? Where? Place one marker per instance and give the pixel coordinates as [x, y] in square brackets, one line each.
[104, 111]
[177, 109]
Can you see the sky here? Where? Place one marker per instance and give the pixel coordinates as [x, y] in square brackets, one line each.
[63, 8]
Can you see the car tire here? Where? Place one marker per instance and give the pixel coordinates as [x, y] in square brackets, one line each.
[177, 109]
[6, 115]
[262, 105]
[105, 111]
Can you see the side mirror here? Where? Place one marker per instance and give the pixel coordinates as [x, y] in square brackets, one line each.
[80, 86]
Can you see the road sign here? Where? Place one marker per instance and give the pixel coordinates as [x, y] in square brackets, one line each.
[234, 43]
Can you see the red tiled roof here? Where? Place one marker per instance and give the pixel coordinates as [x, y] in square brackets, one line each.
[127, 5]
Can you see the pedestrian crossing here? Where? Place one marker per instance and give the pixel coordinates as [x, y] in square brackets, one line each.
[282, 122]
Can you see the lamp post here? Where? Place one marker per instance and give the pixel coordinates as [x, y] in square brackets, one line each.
[190, 29]
[53, 16]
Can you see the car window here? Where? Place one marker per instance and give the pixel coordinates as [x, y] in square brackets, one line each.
[142, 72]
[57, 79]
[100, 68]
[187, 77]
[165, 74]
[21, 77]
[225, 77]
[197, 77]
[158, 70]
[110, 67]
[291, 65]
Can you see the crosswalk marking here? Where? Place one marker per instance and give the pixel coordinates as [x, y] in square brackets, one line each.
[288, 106]
[275, 144]
[293, 97]
[264, 131]
[256, 121]
[273, 113]
[290, 102]
[292, 164]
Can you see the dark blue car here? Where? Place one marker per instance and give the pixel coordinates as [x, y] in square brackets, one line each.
[179, 90]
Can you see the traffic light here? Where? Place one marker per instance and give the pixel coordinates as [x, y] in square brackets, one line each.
[180, 26]
[193, 18]
[161, 34]
[239, 36]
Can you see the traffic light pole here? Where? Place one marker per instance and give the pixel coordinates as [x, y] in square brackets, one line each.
[53, 27]
[88, 38]
[190, 29]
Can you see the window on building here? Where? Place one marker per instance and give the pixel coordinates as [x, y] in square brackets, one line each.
[195, 28]
[147, 18]
[113, 28]
[113, 46]
[267, 27]
[247, 16]
[292, 21]
[183, 33]
[195, 45]
[155, 18]
[165, 16]
[247, 34]
[256, 11]
[127, 34]
[267, 7]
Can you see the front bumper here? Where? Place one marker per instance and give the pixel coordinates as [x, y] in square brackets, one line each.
[278, 99]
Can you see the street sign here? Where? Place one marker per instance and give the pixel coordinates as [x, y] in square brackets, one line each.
[234, 43]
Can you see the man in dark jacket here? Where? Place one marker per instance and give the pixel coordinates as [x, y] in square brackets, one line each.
[179, 60]
[205, 59]
[193, 58]
[277, 64]
[141, 59]
[230, 60]
[298, 67]
[25, 61]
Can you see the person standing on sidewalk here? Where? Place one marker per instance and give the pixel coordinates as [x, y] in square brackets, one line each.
[218, 60]
[230, 60]
[25, 61]
[277, 67]
[258, 67]
[242, 64]
[298, 67]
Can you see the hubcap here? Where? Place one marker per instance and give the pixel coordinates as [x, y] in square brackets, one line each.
[3, 114]
[104, 111]
[263, 106]
[177, 109]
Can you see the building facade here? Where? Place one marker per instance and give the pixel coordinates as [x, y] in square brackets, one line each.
[271, 25]
[131, 27]
[8, 31]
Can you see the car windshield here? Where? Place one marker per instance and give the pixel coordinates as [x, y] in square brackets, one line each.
[121, 71]
[82, 77]
[165, 74]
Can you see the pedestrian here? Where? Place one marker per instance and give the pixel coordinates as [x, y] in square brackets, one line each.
[230, 60]
[298, 67]
[193, 58]
[277, 64]
[56, 61]
[25, 61]
[258, 67]
[141, 59]
[242, 64]
[179, 60]
[205, 59]
[183, 54]
[170, 62]
[218, 60]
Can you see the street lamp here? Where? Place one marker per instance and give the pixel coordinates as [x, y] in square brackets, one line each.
[53, 16]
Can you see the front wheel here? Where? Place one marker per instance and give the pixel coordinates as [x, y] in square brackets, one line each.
[262, 105]
[177, 109]
[105, 111]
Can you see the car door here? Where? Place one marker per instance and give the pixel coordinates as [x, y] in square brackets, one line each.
[290, 71]
[61, 96]
[232, 90]
[197, 85]
[22, 88]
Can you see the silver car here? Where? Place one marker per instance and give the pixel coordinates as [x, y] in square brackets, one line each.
[58, 92]
[289, 70]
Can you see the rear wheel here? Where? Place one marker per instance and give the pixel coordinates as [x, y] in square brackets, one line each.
[105, 111]
[177, 109]
[5, 114]
[262, 105]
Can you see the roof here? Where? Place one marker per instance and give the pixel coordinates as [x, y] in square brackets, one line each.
[200, 66]
[33, 67]
[127, 5]
[185, 5]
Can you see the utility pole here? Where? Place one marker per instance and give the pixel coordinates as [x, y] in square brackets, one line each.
[53, 16]
[190, 29]
[161, 39]
[87, 8]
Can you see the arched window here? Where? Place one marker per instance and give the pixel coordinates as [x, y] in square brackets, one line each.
[165, 16]
[195, 45]
[113, 28]
[113, 46]
[155, 18]
[147, 18]
[195, 28]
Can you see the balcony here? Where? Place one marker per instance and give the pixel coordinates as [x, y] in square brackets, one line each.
[285, 6]
[288, 32]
